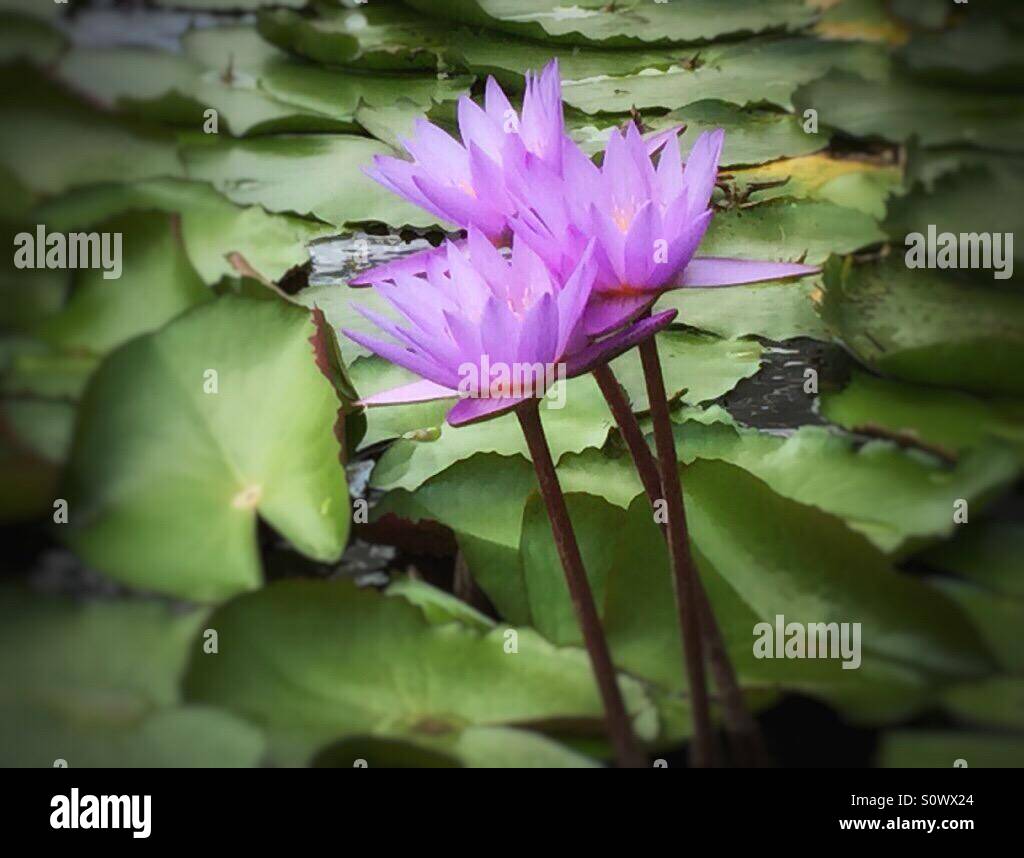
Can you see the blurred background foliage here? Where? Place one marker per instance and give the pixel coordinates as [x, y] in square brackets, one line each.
[210, 600]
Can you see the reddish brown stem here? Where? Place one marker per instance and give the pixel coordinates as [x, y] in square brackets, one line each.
[744, 734]
[683, 576]
[628, 753]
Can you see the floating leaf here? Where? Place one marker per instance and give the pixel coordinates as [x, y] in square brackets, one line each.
[642, 22]
[919, 326]
[854, 184]
[212, 228]
[755, 72]
[97, 685]
[994, 702]
[313, 174]
[947, 419]
[775, 311]
[935, 749]
[164, 485]
[156, 283]
[996, 617]
[899, 109]
[699, 366]
[574, 420]
[381, 37]
[786, 230]
[976, 197]
[984, 52]
[988, 553]
[890, 496]
[42, 159]
[314, 662]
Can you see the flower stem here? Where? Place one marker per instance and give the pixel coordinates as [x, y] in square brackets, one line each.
[683, 575]
[628, 753]
[744, 734]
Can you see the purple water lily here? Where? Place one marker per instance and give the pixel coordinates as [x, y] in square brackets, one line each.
[504, 160]
[648, 222]
[491, 329]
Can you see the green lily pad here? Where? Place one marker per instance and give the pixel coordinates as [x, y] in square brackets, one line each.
[899, 109]
[854, 184]
[582, 421]
[253, 86]
[993, 703]
[891, 496]
[315, 662]
[315, 174]
[212, 228]
[97, 685]
[830, 572]
[697, 366]
[747, 73]
[164, 484]
[986, 552]
[937, 749]
[948, 419]
[373, 36]
[157, 283]
[920, 326]
[976, 198]
[982, 50]
[996, 617]
[786, 230]
[731, 517]
[639, 23]
[775, 311]
[52, 152]
[751, 136]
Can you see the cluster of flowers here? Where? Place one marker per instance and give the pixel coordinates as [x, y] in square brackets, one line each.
[562, 261]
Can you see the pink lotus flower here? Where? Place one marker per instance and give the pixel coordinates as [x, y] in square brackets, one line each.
[509, 320]
[648, 222]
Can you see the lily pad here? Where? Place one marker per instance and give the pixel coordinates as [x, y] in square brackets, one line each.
[315, 174]
[314, 662]
[786, 230]
[775, 311]
[948, 419]
[642, 22]
[995, 703]
[212, 228]
[891, 496]
[976, 198]
[899, 109]
[982, 50]
[253, 86]
[919, 326]
[164, 485]
[938, 749]
[373, 36]
[157, 283]
[858, 185]
[988, 553]
[97, 685]
[574, 420]
[43, 160]
[747, 73]
[697, 366]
